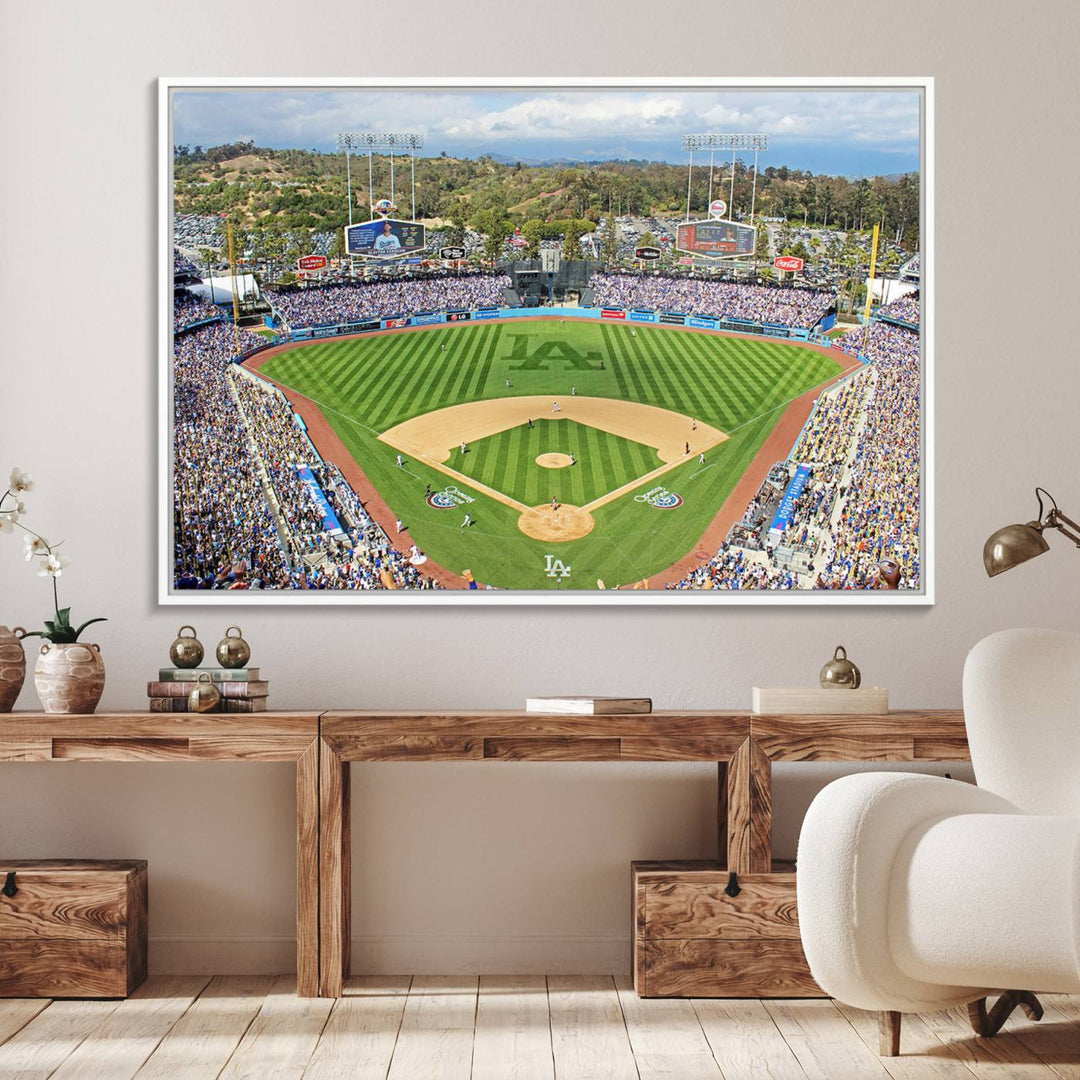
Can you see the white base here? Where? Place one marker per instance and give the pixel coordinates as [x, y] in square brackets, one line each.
[408, 954]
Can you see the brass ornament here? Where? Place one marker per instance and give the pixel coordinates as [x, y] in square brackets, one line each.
[186, 652]
[204, 695]
[233, 652]
[840, 673]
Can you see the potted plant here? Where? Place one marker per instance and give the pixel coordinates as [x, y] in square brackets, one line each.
[69, 674]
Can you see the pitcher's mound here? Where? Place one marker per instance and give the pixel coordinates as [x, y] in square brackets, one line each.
[553, 461]
[565, 523]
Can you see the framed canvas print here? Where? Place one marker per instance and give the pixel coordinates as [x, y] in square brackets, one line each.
[546, 341]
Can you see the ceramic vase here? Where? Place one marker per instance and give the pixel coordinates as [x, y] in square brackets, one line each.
[12, 666]
[69, 678]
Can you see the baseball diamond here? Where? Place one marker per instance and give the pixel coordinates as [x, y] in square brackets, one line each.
[487, 409]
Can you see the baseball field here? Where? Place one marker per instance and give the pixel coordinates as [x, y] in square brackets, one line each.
[551, 454]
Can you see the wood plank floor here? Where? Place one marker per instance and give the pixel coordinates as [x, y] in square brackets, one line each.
[525, 1027]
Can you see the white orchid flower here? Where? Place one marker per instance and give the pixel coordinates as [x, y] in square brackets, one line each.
[34, 545]
[20, 481]
[7, 520]
[53, 566]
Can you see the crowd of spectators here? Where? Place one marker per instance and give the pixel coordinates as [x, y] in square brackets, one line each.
[189, 309]
[231, 437]
[182, 265]
[904, 309]
[726, 300]
[224, 535]
[382, 299]
[861, 504]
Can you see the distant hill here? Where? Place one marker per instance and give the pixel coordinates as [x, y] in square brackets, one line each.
[267, 189]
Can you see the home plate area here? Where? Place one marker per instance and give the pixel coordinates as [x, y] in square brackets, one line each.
[613, 447]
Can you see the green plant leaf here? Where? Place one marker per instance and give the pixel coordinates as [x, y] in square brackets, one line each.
[63, 616]
[86, 624]
[50, 625]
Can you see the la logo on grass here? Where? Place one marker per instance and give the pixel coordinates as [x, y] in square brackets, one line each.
[556, 568]
[537, 360]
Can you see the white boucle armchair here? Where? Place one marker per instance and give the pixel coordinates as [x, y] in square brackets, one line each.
[918, 893]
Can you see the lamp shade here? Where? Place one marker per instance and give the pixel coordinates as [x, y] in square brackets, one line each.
[1012, 545]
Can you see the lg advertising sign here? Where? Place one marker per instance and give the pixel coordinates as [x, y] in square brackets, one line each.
[452, 253]
[311, 262]
[788, 262]
[647, 254]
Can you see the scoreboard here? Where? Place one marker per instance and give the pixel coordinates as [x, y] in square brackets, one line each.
[718, 239]
[387, 238]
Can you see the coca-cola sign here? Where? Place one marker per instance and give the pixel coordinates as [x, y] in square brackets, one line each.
[788, 262]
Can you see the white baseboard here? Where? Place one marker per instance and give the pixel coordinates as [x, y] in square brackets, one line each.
[430, 954]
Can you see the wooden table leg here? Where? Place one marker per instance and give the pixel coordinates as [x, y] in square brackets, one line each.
[334, 872]
[307, 872]
[749, 810]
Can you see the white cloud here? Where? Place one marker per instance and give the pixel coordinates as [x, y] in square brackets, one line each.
[511, 119]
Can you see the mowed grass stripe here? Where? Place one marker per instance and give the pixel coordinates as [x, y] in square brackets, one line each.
[613, 362]
[378, 359]
[391, 394]
[480, 383]
[365, 387]
[466, 349]
[681, 374]
[722, 379]
[728, 372]
[645, 365]
[424, 363]
[635, 383]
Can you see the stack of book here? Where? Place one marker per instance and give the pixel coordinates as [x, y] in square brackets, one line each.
[241, 689]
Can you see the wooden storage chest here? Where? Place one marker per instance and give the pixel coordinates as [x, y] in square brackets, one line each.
[693, 939]
[71, 928]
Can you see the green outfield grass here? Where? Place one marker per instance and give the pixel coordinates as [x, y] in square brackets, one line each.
[365, 386]
[507, 462]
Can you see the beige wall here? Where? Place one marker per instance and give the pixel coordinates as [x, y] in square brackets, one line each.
[493, 867]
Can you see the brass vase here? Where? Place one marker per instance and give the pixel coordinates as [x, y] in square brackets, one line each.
[12, 666]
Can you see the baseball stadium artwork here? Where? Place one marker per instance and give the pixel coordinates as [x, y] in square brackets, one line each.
[543, 342]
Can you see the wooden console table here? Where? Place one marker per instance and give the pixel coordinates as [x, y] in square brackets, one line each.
[261, 737]
[742, 744]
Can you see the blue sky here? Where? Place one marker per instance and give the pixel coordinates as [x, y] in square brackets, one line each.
[846, 132]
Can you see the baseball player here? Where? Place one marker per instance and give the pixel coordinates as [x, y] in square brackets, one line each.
[687, 450]
[573, 460]
[400, 463]
[556, 407]
[554, 503]
[507, 384]
[701, 458]
[467, 522]
[464, 447]
[399, 524]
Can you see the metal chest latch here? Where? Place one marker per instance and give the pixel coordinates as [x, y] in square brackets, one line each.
[732, 886]
[9, 884]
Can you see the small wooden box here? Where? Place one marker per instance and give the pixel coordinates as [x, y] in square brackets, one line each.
[72, 928]
[817, 701]
[691, 939]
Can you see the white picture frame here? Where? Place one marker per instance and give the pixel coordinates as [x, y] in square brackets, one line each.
[170, 596]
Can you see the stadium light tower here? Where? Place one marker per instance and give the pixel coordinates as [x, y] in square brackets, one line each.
[381, 142]
[713, 141]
